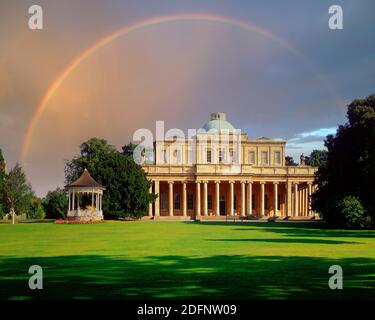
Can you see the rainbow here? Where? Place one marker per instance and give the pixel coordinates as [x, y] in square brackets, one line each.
[85, 54]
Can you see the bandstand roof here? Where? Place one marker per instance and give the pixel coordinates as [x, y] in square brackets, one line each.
[86, 181]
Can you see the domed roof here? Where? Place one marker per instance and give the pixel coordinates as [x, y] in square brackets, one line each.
[218, 122]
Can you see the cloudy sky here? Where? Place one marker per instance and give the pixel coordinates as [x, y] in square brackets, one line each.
[287, 76]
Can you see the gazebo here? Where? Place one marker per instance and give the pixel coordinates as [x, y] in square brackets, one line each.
[85, 187]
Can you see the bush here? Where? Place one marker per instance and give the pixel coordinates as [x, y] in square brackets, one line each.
[352, 213]
[36, 210]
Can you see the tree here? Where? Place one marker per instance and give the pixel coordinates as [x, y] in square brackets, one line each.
[289, 161]
[128, 149]
[352, 214]
[127, 187]
[317, 158]
[36, 210]
[55, 204]
[139, 153]
[17, 192]
[350, 166]
[2, 178]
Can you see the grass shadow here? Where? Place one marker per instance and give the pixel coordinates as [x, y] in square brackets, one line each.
[181, 277]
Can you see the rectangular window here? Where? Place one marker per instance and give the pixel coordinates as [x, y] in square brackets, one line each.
[191, 156]
[253, 201]
[252, 157]
[233, 156]
[164, 156]
[266, 201]
[190, 201]
[177, 156]
[235, 202]
[278, 157]
[163, 201]
[177, 201]
[278, 202]
[209, 201]
[209, 156]
[221, 155]
[264, 157]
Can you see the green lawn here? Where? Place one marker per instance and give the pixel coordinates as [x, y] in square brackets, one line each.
[133, 260]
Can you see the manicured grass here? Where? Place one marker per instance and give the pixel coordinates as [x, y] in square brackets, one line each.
[130, 260]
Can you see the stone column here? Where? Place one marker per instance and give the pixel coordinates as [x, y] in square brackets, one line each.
[288, 204]
[217, 198]
[305, 202]
[157, 200]
[184, 200]
[295, 199]
[243, 203]
[170, 198]
[205, 210]
[150, 204]
[262, 198]
[198, 198]
[309, 186]
[275, 193]
[249, 198]
[231, 198]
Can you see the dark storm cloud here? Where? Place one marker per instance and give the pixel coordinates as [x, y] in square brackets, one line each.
[178, 73]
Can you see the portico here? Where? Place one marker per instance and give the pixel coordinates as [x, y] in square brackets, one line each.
[212, 197]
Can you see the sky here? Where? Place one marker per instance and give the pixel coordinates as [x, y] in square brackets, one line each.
[291, 81]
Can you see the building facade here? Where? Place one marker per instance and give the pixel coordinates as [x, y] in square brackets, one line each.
[221, 172]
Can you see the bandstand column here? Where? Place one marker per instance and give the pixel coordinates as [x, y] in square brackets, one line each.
[73, 200]
[184, 201]
[275, 193]
[69, 195]
[205, 211]
[231, 198]
[217, 198]
[198, 198]
[243, 198]
[295, 199]
[262, 198]
[92, 198]
[170, 198]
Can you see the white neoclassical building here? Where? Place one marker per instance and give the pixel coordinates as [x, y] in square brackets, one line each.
[221, 172]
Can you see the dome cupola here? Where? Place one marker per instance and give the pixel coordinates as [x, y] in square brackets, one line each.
[218, 121]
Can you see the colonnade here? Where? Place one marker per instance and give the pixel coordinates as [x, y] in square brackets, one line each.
[74, 196]
[296, 196]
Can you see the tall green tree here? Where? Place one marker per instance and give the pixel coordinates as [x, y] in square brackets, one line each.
[350, 167]
[127, 187]
[17, 192]
[289, 161]
[317, 158]
[56, 204]
[2, 178]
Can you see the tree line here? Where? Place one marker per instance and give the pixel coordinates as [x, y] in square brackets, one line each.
[344, 179]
